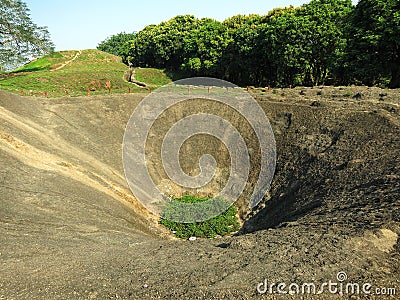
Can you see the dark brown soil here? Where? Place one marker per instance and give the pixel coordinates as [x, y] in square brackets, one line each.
[70, 228]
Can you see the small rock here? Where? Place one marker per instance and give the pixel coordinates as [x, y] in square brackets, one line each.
[192, 238]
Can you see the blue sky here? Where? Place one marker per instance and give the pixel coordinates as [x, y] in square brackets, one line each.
[78, 25]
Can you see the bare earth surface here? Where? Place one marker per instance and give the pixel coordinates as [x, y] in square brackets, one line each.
[70, 228]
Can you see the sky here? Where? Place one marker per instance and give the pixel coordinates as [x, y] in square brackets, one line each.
[79, 25]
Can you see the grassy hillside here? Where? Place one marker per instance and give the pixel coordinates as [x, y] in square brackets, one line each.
[76, 72]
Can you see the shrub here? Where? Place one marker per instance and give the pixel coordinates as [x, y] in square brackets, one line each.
[222, 224]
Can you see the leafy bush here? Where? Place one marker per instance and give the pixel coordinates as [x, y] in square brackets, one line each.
[116, 44]
[222, 224]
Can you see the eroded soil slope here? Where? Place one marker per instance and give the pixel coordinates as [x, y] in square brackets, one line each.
[70, 228]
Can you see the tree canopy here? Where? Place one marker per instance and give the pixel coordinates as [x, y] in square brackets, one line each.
[118, 44]
[374, 42]
[20, 38]
[322, 42]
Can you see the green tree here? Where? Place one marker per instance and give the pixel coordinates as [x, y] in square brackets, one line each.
[203, 48]
[183, 43]
[279, 41]
[142, 52]
[243, 58]
[374, 43]
[161, 45]
[300, 45]
[169, 41]
[324, 41]
[20, 38]
[116, 44]
[322, 37]
[124, 50]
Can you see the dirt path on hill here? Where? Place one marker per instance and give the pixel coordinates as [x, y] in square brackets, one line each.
[68, 62]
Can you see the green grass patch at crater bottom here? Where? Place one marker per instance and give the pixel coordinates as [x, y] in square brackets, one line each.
[223, 224]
